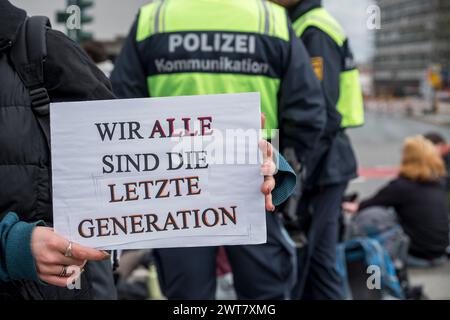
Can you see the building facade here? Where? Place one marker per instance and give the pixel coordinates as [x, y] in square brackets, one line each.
[414, 38]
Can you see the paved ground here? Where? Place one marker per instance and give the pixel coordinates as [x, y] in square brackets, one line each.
[436, 281]
[378, 147]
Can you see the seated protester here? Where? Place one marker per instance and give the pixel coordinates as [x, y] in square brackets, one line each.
[419, 197]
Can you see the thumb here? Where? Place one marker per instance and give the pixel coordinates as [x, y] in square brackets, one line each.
[85, 253]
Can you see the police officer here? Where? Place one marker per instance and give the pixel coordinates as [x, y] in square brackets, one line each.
[335, 161]
[188, 47]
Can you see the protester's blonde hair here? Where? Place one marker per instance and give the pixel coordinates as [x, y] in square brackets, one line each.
[421, 160]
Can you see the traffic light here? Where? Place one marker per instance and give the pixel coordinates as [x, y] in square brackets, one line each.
[62, 16]
[75, 17]
[84, 5]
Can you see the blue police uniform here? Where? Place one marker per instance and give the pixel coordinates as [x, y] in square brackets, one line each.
[186, 47]
[333, 163]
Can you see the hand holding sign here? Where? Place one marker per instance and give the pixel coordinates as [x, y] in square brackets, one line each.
[268, 169]
[48, 250]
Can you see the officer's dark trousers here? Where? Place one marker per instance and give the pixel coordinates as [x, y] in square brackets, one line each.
[317, 275]
[266, 271]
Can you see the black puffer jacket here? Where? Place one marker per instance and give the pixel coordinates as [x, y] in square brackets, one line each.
[24, 157]
[25, 182]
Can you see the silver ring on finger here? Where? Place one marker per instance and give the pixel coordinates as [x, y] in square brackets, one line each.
[68, 252]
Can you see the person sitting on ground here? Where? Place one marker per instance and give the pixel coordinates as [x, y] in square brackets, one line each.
[419, 198]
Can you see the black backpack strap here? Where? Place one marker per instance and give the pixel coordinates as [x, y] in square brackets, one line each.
[28, 55]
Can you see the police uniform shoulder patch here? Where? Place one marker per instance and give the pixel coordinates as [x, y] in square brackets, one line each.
[317, 63]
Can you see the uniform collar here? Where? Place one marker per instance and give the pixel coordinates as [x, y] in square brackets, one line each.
[11, 19]
[303, 7]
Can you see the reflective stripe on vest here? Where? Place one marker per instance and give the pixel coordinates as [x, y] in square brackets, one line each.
[258, 16]
[350, 104]
[322, 20]
[191, 20]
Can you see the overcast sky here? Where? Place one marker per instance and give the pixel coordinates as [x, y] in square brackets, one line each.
[114, 17]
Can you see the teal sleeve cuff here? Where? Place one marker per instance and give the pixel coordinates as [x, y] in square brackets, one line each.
[18, 256]
[286, 181]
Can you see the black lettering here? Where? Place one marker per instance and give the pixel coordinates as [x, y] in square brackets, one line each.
[193, 186]
[197, 218]
[184, 213]
[134, 130]
[171, 165]
[135, 223]
[116, 224]
[119, 163]
[102, 228]
[199, 159]
[134, 164]
[229, 215]
[108, 163]
[170, 221]
[205, 217]
[156, 159]
[122, 131]
[130, 191]
[177, 185]
[160, 194]
[113, 193]
[106, 130]
[91, 228]
[147, 188]
[151, 220]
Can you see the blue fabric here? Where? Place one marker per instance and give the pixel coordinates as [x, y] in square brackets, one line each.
[286, 180]
[16, 259]
[373, 253]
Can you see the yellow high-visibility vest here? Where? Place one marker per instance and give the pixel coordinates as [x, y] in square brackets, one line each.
[350, 104]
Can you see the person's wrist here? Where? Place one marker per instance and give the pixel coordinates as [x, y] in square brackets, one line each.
[19, 258]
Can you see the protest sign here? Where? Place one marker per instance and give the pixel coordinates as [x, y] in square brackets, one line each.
[158, 172]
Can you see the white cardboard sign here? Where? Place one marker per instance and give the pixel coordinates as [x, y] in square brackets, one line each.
[158, 172]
